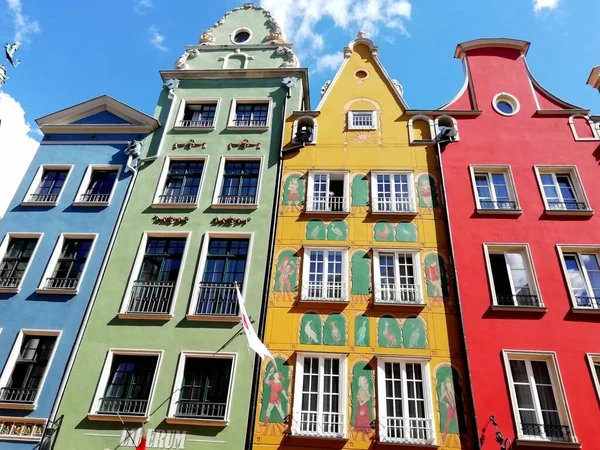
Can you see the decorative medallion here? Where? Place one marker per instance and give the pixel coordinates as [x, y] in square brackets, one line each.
[230, 221]
[243, 145]
[170, 220]
[190, 144]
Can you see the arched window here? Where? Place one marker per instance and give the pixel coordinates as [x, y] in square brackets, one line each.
[583, 128]
[305, 130]
[443, 122]
[421, 129]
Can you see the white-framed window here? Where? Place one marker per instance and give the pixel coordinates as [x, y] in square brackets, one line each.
[362, 120]
[98, 185]
[421, 129]
[198, 113]
[397, 277]
[27, 367]
[405, 402]
[180, 182]
[494, 189]
[254, 113]
[562, 189]
[512, 276]
[393, 192]
[224, 261]
[305, 130]
[203, 389]
[328, 192]
[538, 399]
[48, 184]
[325, 274]
[152, 289]
[16, 252]
[238, 182]
[582, 271]
[594, 362]
[320, 396]
[68, 264]
[127, 384]
[506, 104]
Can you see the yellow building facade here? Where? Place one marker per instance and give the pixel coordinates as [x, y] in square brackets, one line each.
[362, 316]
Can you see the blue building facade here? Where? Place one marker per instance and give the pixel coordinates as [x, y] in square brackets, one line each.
[54, 240]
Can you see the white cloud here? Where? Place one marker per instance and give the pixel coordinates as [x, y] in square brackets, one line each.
[141, 6]
[329, 62]
[17, 148]
[24, 26]
[157, 39]
[539, 5]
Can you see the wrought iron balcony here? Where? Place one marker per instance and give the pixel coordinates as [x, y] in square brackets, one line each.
[151, 297]
[330, 291]
[43, 198]
[331, 204]
[518, 300]
[500, 205]
[237, 199]
[398, 204]
[201, 410]
[249, 123]
[62, 283]
[405, 294]
[178, 199]
[132, 407]
[94, 198]
[10, 282]
[17, 395]
[567, 206]
[315, 424]
[217, 299]
[197, 123]
[400, 430]
[588, 302]
[546, 432]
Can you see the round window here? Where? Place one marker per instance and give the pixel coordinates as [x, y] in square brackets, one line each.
[505, 107]
[241, 37]
[505, 104]
[361, 74]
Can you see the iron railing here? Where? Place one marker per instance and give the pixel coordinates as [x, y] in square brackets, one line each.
[132, 407]
[43, 198]
[151, 297]
[409, 294]
[178, 199]
[236, 199]
[331, 204]
[250, 123]
[9, 282]
[94, 198]
[518, 300]
[217, 299]
[547, 432]
[493, 204]
[197, 123]
[567, 206]
[398, 204]
[400, 430]
[17, 395]
[201, 410]
[329, 291]
[318, 424]
[62, 283]
[585, 301]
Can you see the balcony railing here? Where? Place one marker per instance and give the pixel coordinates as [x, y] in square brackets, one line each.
[237, 199]
[409, 294]
[398, 204]
[62, 283]
[330, 291]
[567, 206]
[197, 123]
[94, 198]
[317, 424]
[501, 205]
[201, 410]
[518, 300]
[217, 299]
[132, 407]
[587, 302]
[544, 432]
[250, 123]
[9, 282]
[178, 199]
[17, 395]
[151, 297]
[399, 430]
[43, 198]
[331, 204]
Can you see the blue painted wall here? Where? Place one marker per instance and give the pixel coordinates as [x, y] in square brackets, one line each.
[28, 310]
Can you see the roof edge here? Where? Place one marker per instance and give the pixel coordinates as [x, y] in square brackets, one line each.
[516, 44]
[594, 78]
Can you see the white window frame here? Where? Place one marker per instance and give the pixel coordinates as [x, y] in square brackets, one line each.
[249, 100]
[428, 399]
[42, 289]
[196, 101]
[488, 170]
[38, 178]
[183, 357]
[398, 291]
[4, 248]
[160, 186]
[525, 251]
[507, 98]
[592, 359]
[411, 191]
[298, 385]
[311, 189]
[411, 133]
[306, 271]
[579, 250]
[86, 181]
[315, 129]
[577, 187]
[137, 264]
[374, 121]
[219, 182]
[557, 386]
[191, 315]
[12, 359]
[104, 376]
[592, 125]
[436, 123]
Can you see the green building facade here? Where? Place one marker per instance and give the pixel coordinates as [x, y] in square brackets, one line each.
[163, 341]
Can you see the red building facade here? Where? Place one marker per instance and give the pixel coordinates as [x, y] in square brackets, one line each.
[521, 185]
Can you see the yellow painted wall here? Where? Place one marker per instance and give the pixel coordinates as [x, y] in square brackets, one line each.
[359, 152]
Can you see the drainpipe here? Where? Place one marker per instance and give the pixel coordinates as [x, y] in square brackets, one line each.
[455, 276]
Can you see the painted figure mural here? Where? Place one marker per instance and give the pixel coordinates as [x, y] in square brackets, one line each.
[414, 333]
[286, 277]
[406, 232]
[448, 391]
[316, 230]
[360, 190]
[311, 329]
[275, 392]
[360, 271]
[384, 231]
[361, 331]
[435, 276]
[362, 397]
[337, 231]
[389, 333]
[293, 190]
[335, 332]
[427, 191]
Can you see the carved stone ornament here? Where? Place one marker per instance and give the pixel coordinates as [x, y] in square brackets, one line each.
[230, 221]
[347, 52]
[207, 38]
[292, 61]
[181, 63]
[190, 144]
[172, 86]
[275, 37]
[325, 87]
[243, 145]
[170, 220]
[398, 87]
[361, 35]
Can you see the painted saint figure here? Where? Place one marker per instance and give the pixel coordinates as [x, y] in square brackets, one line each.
[362, 421]
[274, 381]
[448, 398]
[293, 196]
[432, 272]
[286, 269]
[425, 192]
